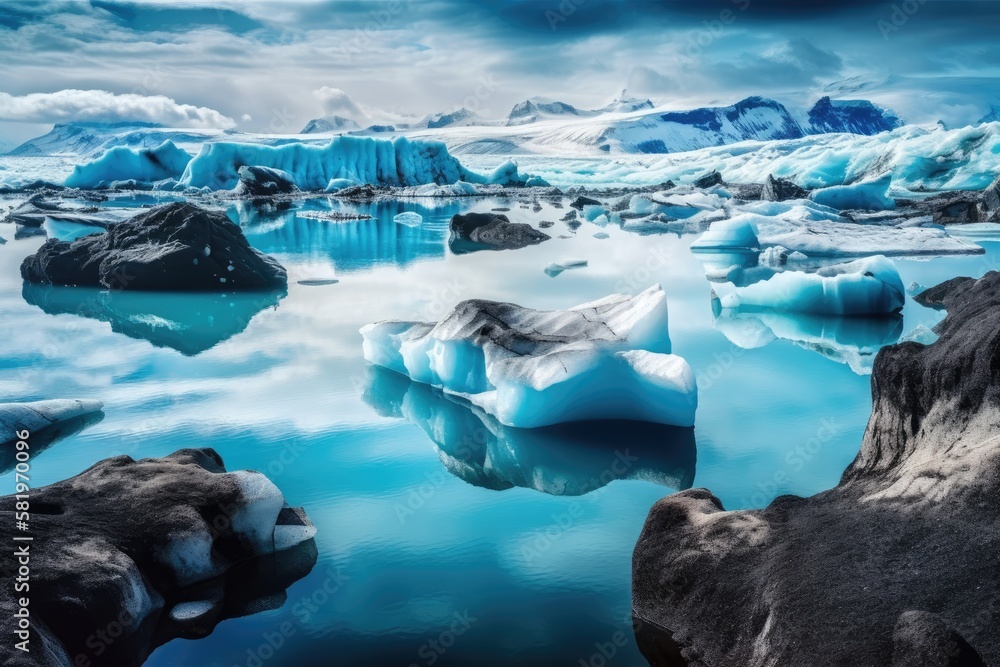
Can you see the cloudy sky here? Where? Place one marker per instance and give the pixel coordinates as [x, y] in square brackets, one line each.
[272, 65]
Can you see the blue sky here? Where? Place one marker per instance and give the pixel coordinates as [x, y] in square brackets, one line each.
[270, 66]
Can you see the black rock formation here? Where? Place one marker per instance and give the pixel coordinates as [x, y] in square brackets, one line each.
[582, 201]
[960, 207]
[491, 231]
[709, 180]
[130, 554]
[176, 247]
[897, 565]
[777, 189]
[263, 183]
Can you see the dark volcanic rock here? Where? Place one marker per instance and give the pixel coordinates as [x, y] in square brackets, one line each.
[264, 182]
[959, 207]
[581, 201]
[709, 180]
[777, 189]
[491, 231]
[146, 551]
[897, 565]
[176, 247]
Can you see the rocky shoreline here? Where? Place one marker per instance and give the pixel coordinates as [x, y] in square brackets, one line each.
[128, 555]
[897, 565]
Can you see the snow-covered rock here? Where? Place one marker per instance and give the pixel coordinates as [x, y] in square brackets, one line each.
[263, 182]
[145, 165]
[869, 286]
[608, 359]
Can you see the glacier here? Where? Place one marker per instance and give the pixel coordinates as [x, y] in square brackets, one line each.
[607, 359]
[145, 165]
[346, 159]
[868, 286]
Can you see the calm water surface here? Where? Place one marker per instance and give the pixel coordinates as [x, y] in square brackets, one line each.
[431, 518]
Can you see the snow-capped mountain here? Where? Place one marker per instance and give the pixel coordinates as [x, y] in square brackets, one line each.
[853, 116]
[86, 139]
[625, 104]
[538, 108]
[329, 124]
[753, 118]
[458, 118]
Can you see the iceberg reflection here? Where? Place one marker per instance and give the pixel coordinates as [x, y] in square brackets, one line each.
[190, 323]
[853, 341]
[570, 459]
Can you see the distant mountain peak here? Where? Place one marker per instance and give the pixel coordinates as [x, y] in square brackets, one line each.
[853, 116]
[329, 124]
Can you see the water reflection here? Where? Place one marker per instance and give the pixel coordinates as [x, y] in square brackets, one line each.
[853, 341]
[351, 245]
[190, 323]
[565, 460]
[850, 340]
[252, 587]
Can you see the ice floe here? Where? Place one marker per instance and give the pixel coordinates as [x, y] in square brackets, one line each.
[608, 359]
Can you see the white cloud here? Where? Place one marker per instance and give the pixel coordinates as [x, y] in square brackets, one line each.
[101, 105]
[338, 103]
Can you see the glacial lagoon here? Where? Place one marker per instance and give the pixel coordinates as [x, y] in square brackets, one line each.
[436, 526]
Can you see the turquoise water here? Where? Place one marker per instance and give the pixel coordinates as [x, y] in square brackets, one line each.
[452, 540]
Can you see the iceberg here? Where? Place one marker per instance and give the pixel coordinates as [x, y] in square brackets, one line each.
[145, 165]
[608, 359]
[346, 159]
[871, 196]
[819, 231]
[869, 286]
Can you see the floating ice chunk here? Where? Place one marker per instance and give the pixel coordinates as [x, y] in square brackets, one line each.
[555, 268]
[409, 218]
[608, 359]
[335, 184]
[920, 334]
[68, 231]
[146, 165]
[39, 415]
[735, 234]
[872, 196]
[869, 286]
